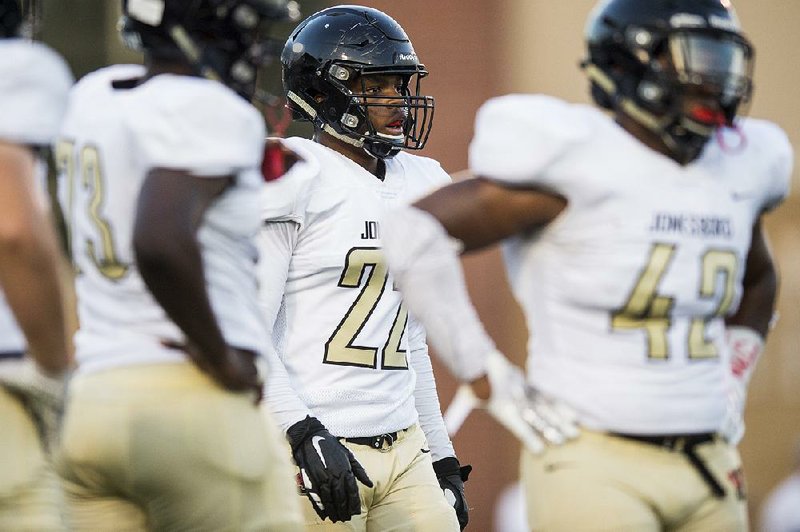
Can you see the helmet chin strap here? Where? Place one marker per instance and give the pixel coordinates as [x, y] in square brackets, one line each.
[312, 114]
[192, 52]
[380, 150]
[377, 149]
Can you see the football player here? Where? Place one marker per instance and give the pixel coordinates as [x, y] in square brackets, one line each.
[634, 243]
[34, 82]
[353, 386]
[159, 170]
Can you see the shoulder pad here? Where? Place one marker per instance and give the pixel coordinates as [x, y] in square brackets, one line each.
[34, 84]
[773, 153]
[518, 136]
[426, 168]
[196, 125]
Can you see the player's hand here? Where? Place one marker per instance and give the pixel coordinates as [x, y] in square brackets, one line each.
[41, 393]
[535, 419]
[328, 470]
[238, 372]
[745, 346]
[235, 370]
[451, 476]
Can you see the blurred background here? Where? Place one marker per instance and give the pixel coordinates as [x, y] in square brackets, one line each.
[476, 49]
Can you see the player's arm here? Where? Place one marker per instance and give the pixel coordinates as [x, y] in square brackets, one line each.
[29, 271]
[425, 394]
[480, 212]
[450, 473]
[29, 276]
[759, 286]
[275, 242]
[170, 210]
[328, 470]
[421, 243]
[746, 330]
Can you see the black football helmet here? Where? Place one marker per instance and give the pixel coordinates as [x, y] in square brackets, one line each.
[646, 56]
[334, 47]
[19, 18]
[223, 40]
[10, 18]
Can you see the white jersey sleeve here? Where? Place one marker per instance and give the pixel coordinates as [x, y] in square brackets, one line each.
[285, 198]
[425, 394]
[275, 244]
[518, 136]
[428, 172]
[34, 84]
[198, 126]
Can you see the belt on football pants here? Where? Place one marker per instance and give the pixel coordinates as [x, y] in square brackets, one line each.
[684, 443]
[11, 355]
[376, 442]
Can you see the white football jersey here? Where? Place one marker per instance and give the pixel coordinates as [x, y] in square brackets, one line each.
[626, 292]
[34, 83]
[110, 139]
[341, 331]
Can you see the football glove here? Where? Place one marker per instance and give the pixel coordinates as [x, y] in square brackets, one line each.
[42, 395]
[535, 419]
[451, 476]
[328, 470]
[746, 346]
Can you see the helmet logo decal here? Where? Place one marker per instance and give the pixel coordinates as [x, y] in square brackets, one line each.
[407, 57]
[150, 12]
[686, 20]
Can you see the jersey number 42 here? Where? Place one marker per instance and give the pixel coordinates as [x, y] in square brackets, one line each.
[647, 309]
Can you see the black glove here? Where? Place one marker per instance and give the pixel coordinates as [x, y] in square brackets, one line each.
[328, 470]
[452, 476]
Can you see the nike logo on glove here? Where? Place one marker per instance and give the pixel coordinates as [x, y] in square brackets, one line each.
[315, 442]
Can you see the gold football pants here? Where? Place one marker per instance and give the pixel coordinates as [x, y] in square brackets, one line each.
[161, 447]
[30, 498]
[601, 482]
[406, 496]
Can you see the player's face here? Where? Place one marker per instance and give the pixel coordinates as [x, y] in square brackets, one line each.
[385, 101]
[711, 72]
